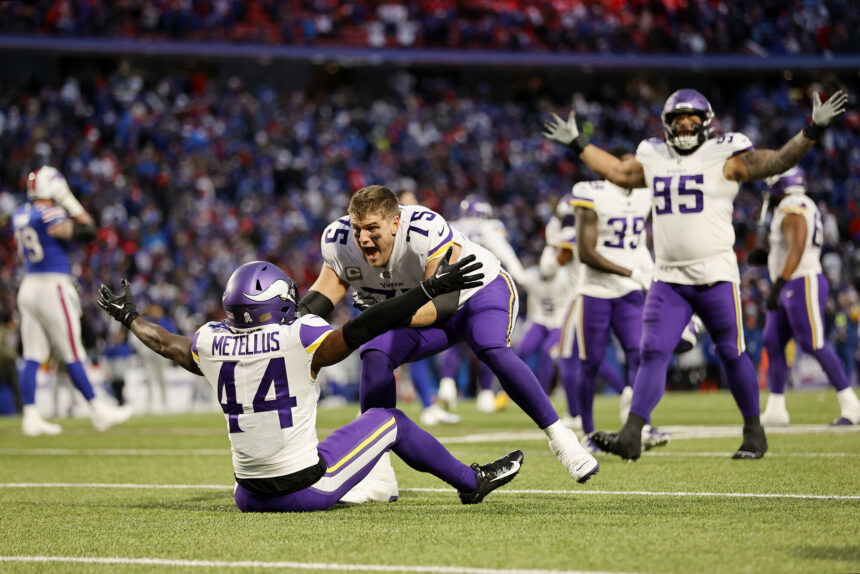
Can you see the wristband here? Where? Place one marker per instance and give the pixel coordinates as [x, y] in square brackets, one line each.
[813, 131]
[578, 144]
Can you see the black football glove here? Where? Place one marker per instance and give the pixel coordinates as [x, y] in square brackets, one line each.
[757, 256]
[773, 299]
[120, 307]
[449, 278]
[363, 300]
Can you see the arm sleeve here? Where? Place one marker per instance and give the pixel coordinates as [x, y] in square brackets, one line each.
[315, 303]
[383, 317]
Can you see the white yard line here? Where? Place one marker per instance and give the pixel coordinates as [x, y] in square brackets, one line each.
[95, 485]
[287, 565]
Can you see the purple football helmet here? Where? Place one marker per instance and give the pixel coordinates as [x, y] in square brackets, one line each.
[259, 293]
[564, 210]
[687, 102]
[791, 181]
[475, 206]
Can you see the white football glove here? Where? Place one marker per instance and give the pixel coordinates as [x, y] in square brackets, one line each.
[64, 197]
[823, 114]
[641, 277]
[561, 131]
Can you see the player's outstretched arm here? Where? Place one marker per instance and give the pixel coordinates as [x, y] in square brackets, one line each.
[757, 164]
[626, 173]
[394, 312]
[324, 294]
[169, 345]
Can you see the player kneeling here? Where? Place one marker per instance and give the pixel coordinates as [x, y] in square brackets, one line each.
[263, 361]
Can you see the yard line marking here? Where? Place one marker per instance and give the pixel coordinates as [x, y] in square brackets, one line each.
[292, 565]
[437, 490]
[225, 451]
[678, 433]
[650, 493]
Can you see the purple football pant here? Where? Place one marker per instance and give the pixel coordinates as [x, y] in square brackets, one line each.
[352, 451]
[668, 308]
[540, 339]
[800, 315]
[623, 316]
[451, 359]
[484, 323]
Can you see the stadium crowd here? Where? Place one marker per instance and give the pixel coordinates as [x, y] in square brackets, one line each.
[770, 27]
[188, 178]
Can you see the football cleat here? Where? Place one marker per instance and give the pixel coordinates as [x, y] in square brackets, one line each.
[104, 416]
[573, 423]
[380, 484]
[652, 437]
[436, 415]
[841, 421]
[589, 445]
[491, 476]
[486, 401]
[754, 444]
[576, 459]
[34, 425]
[447, 394]
[774, 416]
[626, 445]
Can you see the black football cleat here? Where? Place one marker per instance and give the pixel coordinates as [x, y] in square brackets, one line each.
[754, 444]
[493, 475]
[628, 447]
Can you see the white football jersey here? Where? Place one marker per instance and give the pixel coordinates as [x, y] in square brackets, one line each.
[692, 204]
[262, 379]
[621, 237]
[492, 234]
[810, 261]
[423, 235]
[549, 297]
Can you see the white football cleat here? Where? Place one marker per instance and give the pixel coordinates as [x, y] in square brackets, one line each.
[775, 414]
[573, 423]
[447, 394]
[575, 458]
[849, 407]
[486, 401]
[625, 399]
[435, 415]
[32, 424]
[104, 416]
[380, 484]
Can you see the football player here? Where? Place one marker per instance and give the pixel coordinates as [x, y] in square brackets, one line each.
[47, 228]
[262, 363]
[795, 305]
[693, 178]
[386, 248]
[478, 224]
[617, 269]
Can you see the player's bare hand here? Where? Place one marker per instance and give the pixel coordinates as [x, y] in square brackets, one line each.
[121, 307]
[363, 300]
[449, 278]
[823, 114]
[560, 130]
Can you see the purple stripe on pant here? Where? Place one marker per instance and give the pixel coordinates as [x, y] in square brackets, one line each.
[668, 308]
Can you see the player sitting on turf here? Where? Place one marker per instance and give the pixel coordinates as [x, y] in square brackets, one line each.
[263, 361]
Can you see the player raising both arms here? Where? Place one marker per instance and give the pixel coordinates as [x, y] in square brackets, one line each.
[263, 361]
[693, 178]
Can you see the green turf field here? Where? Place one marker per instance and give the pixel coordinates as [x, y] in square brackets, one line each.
[684, 508]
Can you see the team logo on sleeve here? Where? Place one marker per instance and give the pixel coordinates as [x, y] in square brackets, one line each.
[352, 273]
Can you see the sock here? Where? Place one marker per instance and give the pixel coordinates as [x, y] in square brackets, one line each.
[28, 382]
[424, 453]
[567, 372]
[776, 400]
[421, 380]
[485, 377]
[585, 395]
[611, 377]
[777, 369]
[633, 426]
[377, 387]
[744, 384]
[848, 401]
[80, 379]
[832, 367]
[521, 384]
